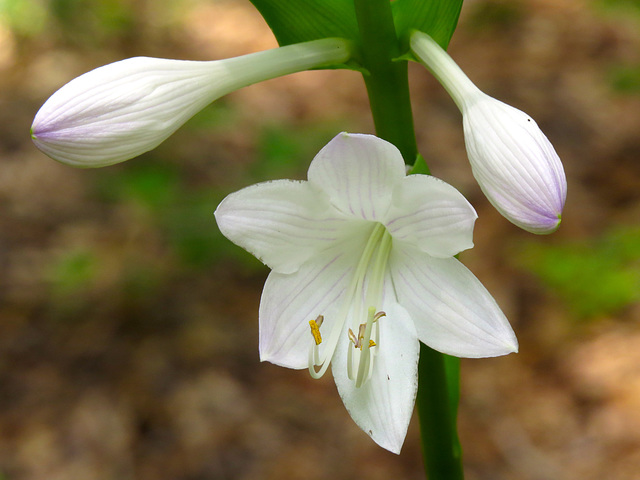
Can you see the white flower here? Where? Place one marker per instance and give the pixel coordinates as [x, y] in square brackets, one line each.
[514, 163]
[362, 268]
[123, 109]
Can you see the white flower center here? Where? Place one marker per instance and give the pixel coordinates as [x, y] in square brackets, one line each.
[359, 306]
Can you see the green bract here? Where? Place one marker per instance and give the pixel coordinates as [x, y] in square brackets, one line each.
[438, 18]
[295, 21]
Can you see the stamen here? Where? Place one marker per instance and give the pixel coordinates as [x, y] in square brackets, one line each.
[364, 363]
[368, 279]
[373, 297]
[318, 364]
[358, 342]
[315, 329]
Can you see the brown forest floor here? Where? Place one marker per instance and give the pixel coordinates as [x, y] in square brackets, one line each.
[128, 332]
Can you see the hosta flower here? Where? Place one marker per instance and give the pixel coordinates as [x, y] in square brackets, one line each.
[123, 109]
[362, 268]
[514, 163]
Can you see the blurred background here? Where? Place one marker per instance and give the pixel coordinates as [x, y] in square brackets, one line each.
[128, 324]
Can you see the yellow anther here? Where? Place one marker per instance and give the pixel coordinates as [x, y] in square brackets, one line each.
[315, 329]
[372, 343]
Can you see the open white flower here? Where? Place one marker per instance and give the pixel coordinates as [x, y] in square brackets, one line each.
[362, 268]
[126, 108]
[514, 163]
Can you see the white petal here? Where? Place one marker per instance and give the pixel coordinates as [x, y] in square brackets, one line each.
[452, 310]
[431, 215]
[289, 301]
[382, 407]
[126, 108]
[515, 165]
[358, 172]
[282, 223]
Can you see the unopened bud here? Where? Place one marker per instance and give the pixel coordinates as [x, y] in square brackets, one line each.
[126, 108]
[514, 163]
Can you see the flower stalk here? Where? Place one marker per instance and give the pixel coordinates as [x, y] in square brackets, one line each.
[447, 72]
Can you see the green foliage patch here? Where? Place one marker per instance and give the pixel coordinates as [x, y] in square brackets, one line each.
[74, 271]
[624, 78]
[595, 277]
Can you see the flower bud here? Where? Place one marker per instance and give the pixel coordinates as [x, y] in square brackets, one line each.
[514, 163]
[126, 108]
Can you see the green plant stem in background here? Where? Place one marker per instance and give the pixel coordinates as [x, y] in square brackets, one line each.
[388, 89]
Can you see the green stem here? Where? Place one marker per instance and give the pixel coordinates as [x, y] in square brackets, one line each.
[437, 403]
[386, 81]
[388, 89]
